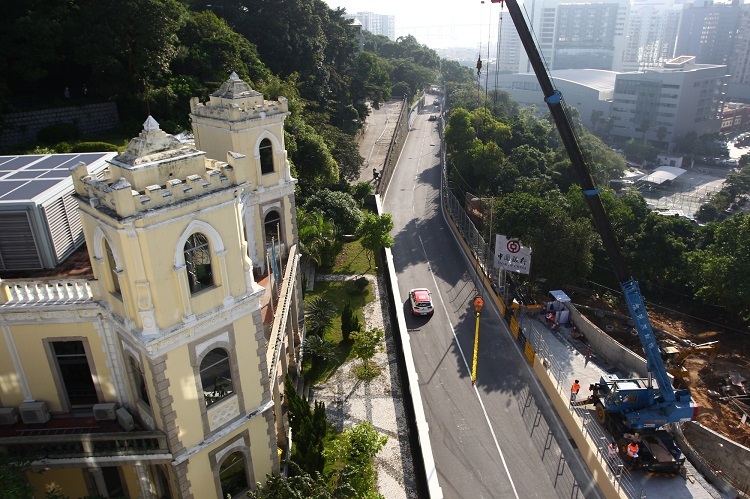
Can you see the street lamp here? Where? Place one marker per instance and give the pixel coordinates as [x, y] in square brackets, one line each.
[478, 304]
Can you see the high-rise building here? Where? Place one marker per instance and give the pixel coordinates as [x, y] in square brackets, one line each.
[739, 59]
[651, 35]
[159, 371]
[577, 35]
[707, 31]
[377, 24]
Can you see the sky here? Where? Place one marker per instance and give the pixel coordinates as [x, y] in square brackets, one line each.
[435, 23]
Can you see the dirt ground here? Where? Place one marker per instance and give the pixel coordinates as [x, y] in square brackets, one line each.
[734, 355]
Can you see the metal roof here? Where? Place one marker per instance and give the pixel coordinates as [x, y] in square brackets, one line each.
[662, 174]
[560, 296]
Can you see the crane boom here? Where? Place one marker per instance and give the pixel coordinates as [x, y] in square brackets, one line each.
[629, 286]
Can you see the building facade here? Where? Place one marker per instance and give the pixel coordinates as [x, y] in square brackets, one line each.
[161, 374]
[661, 105]
[377, 24]
[577, 35]
[707, 31]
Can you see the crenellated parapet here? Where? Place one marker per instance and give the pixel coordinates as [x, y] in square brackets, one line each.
[154, 172]
[237, 101]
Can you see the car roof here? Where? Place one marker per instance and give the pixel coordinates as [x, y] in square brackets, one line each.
[420, 293]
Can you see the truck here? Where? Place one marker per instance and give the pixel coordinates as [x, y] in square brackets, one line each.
[634, 409]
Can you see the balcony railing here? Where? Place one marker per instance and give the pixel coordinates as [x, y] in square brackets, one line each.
[279, 328]
[37, 446]
[20, 292]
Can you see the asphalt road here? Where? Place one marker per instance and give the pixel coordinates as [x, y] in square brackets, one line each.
[482, 437]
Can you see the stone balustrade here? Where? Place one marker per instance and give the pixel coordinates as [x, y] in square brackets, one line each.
[16, 292]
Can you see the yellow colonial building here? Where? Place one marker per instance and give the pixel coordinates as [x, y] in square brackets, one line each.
[158, 374]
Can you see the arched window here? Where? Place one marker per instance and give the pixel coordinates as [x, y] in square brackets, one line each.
[272, 227]
[198, 262]
[266, 156]
[112, 266]
[216, 376]
[232, 475]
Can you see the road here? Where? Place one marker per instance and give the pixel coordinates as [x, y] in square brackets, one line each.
[482, 437]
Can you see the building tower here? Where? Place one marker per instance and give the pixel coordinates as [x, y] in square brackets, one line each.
[172, 340]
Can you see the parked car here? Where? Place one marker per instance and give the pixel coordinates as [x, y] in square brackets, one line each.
[420, 300]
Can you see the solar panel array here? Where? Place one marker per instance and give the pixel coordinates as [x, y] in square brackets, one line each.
[23, 178]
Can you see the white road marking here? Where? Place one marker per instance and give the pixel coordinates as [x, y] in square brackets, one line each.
[468, 370]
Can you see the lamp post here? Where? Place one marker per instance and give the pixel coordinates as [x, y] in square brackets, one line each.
[478, 304]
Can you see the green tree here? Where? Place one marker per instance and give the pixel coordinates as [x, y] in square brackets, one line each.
[339, 207]
[211, 50]
[299, 485]
[721, 268]
[351, 460]
[315, 166]
[345, 151]
[12, 480]
[309, 429]
[316, 236]
[366, 345]
[349, 321]
[140, 46]
[562, 246]
[319, 314]
[374, 233]
[318, 349]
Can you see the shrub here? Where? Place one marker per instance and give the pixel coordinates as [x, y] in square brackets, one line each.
[94, 147]
[349, 321]
[361, 283]
[63, 148]
[59, 132]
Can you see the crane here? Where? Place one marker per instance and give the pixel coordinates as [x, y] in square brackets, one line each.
[622, 405]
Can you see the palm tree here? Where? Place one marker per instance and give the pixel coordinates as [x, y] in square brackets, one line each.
[319, 314]
[316, 235]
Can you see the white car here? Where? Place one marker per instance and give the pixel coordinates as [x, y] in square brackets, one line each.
[420, 300]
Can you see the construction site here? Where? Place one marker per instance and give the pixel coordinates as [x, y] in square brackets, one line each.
[711, 360]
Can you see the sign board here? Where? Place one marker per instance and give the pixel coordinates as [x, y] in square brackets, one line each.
[511, 255]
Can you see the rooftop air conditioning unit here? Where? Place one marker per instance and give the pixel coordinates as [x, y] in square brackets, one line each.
[34, 412]
[105, 412]
[8, 415]
[125, 419]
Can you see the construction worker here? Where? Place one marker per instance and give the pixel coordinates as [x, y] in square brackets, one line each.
[574, 390]
[612, 448]
[633, 450]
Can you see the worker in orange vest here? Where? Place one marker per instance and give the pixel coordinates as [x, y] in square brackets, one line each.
[574, 390]
[633, 450]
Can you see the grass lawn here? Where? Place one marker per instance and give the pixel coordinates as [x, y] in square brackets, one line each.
[338, 293]
[353, 260]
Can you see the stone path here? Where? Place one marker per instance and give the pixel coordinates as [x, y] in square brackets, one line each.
[349, 401]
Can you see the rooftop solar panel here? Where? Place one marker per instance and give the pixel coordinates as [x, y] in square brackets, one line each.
[23, 178]
[9, 163]
[32, 189]
[22, 175]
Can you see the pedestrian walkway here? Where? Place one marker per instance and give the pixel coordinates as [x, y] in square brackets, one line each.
[380, 401]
